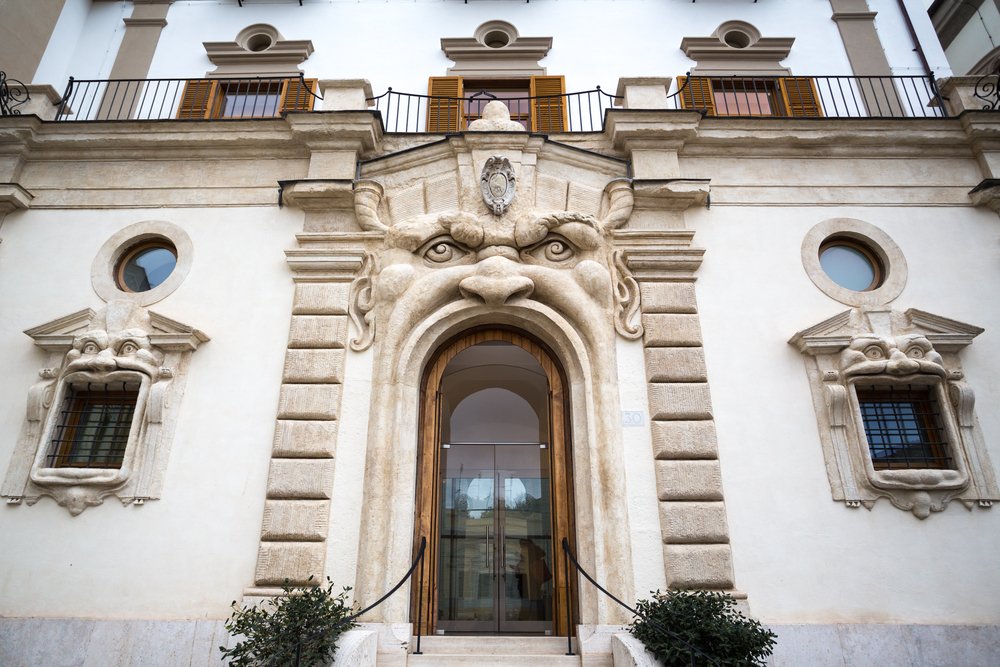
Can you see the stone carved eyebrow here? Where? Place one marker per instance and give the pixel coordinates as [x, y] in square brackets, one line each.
[581, 230]
[414, 233]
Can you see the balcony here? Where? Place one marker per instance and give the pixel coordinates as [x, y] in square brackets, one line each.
[814, 97]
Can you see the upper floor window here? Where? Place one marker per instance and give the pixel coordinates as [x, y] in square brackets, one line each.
[246, 98]
[538, 102]
[93, 426]
[751, 96]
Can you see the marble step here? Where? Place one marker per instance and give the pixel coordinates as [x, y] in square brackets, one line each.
[509, 651]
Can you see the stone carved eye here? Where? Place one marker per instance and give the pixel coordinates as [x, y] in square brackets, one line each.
[915, 352]
[91, 348]
[442, 251]
[874, 352]
[555, 249]
[128, 347]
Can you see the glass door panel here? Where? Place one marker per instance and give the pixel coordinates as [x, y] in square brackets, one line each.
[525, 528]
[467, 555]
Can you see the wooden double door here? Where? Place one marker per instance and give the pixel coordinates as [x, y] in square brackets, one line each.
[494, 494]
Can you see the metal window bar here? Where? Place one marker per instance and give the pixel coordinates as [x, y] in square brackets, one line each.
[94, 426]
[836, 96]
[160, 99]
[411, 112]
[903, 427]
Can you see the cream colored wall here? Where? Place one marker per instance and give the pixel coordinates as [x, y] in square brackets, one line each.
[191, 553]
[800, 556]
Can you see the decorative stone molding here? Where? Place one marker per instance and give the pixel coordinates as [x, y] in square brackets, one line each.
[693, 524]
[258, 50]
[303, 459]
[737, 47]
[645, 92]
[890, 256]
[496, 50]
[865, 346]
[448, 263]
[13, 197]
[123, 343]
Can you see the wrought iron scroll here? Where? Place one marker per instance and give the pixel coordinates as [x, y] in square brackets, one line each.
[988, 88]
[13, 94]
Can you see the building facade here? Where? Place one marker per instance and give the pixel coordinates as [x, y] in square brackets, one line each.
[333, 286]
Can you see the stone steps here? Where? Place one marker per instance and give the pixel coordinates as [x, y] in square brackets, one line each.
[487, 651]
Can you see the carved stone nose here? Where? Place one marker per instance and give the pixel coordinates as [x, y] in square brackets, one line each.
[496, 281]
[900, 364]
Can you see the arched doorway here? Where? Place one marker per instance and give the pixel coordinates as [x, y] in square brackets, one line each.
[494, 488]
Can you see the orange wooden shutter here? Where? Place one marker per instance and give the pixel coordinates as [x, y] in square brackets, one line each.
[444, 108]
[801, 97]
[197, 99]
[548, 106]
[697, 94]
[296, 97]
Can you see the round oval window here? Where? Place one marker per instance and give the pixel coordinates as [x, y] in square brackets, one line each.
[146, 266]
[851, 265]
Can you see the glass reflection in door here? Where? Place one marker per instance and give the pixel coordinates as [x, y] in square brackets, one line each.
[495, 523]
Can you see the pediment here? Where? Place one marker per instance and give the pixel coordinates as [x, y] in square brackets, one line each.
[445, 176]
[168, 334]
[835, 333]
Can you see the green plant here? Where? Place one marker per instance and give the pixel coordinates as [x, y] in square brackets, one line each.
[299, 628]
[671, 623]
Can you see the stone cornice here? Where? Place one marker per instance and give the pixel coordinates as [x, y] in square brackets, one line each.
[675, 194]
[659, 256]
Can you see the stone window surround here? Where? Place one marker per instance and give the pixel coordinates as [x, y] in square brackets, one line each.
[104, 267]
[121, 343]
[873, 238]
[875, 345]
[236, 59]
[475, 59]
[760, 57]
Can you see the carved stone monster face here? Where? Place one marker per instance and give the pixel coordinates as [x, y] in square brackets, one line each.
[562, 260]
[100, 352]
[899, 356]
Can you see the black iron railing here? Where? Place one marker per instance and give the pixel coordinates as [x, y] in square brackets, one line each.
[13, 94]
[988, 89]
[163, 99]
[569, 112]
[419, 560]
[693, 651]
[810, 97]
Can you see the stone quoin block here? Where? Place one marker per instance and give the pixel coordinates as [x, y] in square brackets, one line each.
[296, 520]
[668, 298]
[311, 366]
[675, 364]
[305, 439]
[688, 480]
[318, 331]
[684, 401]
[321, 299]
[295, 561]
[693, 522]
[698, 566]
[684, 439]
[309, 401]
[300, 478]
[671, 330]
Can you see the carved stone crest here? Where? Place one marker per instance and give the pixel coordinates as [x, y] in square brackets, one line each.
[497, 184]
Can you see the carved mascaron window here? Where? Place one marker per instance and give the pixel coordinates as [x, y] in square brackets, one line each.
[100, 421]
[896, 418]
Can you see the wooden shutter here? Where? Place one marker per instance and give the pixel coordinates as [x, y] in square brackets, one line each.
[444, 115]
[198, 98]
[296, 97]
[548, 104]
[801, 97]
[697, 94]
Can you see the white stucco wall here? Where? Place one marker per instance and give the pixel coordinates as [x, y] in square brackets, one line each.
[977, 38]
[397, 43]
[191, 553]
[799, 555]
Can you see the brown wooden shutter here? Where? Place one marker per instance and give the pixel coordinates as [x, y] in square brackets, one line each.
[296, 97]
[697, 94]
[548, 106]
[801, 97]
[444, 109]
[197, 99]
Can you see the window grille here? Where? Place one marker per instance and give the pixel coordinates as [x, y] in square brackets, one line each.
[94, 426]
[903, 426]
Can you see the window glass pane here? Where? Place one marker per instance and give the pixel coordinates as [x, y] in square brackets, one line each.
[903, 427]
[145, 269]
[848, 267]
[494, 392]
[93, 429]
